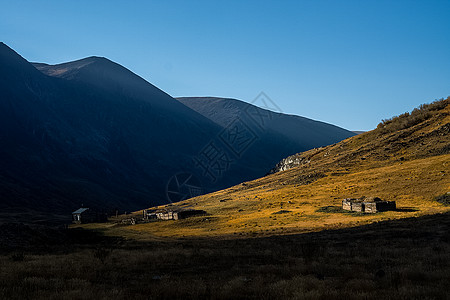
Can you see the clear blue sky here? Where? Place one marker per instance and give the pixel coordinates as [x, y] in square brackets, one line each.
[350, 63]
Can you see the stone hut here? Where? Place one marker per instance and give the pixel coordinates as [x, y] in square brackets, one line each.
[178, 214]
[77, 215]
[368, 205]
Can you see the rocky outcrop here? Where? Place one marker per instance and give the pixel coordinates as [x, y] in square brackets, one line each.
[289, 163]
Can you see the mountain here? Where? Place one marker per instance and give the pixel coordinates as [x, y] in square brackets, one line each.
[267, 136]
[290, 133]
[405, 159]
[92, 132]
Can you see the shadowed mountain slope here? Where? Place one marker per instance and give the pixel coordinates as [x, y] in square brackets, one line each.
[295, 133]
[92, 132]
[102, 136]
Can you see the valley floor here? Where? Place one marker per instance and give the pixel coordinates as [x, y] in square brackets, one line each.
[398, 259]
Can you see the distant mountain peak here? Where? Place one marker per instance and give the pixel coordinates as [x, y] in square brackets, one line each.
[61, 70]
[100, 72]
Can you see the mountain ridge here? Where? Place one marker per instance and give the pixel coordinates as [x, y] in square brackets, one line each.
[309, 133]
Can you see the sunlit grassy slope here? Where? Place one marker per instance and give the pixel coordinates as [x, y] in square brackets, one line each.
[405, 159]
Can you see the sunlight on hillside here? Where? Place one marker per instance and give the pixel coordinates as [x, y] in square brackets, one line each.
[408, 165]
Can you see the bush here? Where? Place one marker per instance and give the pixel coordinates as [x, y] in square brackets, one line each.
[418, 115]
[443, 199]
[331, 209]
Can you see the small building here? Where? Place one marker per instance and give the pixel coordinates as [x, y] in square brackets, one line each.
[368, 205]
[176, 214]
[358, 206]
[371, 207]
[86, 215]
[148, 214]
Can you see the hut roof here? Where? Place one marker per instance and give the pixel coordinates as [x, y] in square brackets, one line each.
[372, 199]
[363, 199]
[80, 210]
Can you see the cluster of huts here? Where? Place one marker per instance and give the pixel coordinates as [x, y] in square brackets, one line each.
[86, 215]
[365, 205]
[368, 205]
[172, 214]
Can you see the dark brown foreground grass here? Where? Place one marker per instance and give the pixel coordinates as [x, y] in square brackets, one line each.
[401, 259]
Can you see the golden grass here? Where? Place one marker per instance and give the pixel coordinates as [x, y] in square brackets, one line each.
[409, 166]
[411, 184]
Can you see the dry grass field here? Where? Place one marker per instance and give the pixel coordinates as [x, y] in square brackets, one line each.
[398, 259]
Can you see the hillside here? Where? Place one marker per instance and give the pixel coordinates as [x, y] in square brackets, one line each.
[406, 159]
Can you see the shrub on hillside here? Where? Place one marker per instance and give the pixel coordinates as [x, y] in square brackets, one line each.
[444, 199]
[418, 115]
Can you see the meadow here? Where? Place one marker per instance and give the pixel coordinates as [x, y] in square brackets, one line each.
[397, 259]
